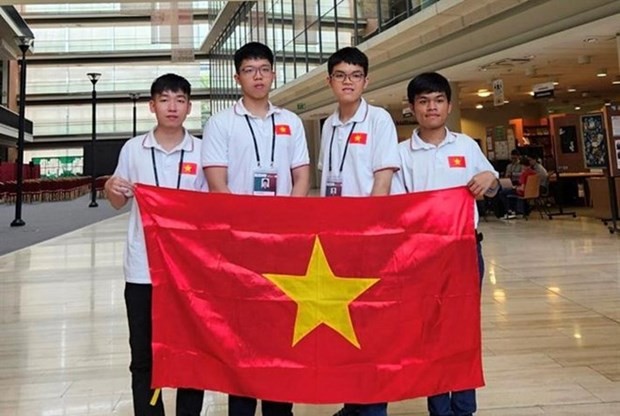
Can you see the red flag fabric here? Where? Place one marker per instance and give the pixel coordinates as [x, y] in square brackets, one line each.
[358, 138]
[283, 129]
[314, 300]
[457, 161]
[189, 168]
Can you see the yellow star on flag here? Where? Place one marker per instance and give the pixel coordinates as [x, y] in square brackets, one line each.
[357, 138]
[457, 161]
[322, 297]
[187, 168]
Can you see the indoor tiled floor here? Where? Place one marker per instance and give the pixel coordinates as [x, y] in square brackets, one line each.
[551, 324]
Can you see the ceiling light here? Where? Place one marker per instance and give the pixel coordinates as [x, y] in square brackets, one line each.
[483, 93]
[616, 80]
[479, 106]
[601, 73]
[591, 40]
[531, 93]
[506, 101]
[555, 82]
[577, 107]
[607, 103]
[571, 89]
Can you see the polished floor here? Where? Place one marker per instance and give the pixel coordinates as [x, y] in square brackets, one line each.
[551, 324]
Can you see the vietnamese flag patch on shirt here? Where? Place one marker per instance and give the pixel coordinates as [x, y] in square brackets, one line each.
[283, 129]
[358, 138]
[189, 168]
[457, 161]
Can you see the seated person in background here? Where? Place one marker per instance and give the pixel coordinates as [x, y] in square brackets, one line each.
[542, 173]
[511, 203]
[514, 168]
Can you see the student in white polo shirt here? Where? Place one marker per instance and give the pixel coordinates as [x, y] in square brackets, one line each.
[358, 151]
[436, 158]
[254, 140]
[167, 156]
[256, 148]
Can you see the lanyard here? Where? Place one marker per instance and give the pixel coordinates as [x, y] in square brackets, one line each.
[273, 139]
[346, 147]
[155, 168]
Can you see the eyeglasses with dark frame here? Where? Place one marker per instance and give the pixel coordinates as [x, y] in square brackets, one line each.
[353, 77]
[253, 70]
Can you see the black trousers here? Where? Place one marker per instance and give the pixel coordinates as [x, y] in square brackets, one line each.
[138, 299]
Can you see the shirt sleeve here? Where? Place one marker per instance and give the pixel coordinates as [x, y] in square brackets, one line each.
[215, 140]
[300, 145]
[481, 163]
[122, 167]
[385, 143]
[399, 185]
[323, 145]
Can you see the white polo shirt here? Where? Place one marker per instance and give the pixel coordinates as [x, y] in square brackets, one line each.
[228, 142]
[452, 163]
[135, 164]
[372, 147]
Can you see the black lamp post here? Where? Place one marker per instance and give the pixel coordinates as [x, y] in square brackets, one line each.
[134, 97]
[94, 77]
[24, 43]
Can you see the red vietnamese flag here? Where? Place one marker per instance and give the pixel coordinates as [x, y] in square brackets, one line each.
[457, 161]
[297, 300]
[189, 168]
[358, 138]
[283, 129]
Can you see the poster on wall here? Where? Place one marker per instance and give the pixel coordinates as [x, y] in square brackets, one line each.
[568, 139]
[594, 144]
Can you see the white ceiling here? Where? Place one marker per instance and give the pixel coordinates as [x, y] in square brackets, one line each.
[460, 37]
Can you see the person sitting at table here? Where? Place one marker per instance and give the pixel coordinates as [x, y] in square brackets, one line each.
[514, 205]
[514, 168]
[542, 174]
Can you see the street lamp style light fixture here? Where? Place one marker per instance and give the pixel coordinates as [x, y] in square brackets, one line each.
[94, 77]
[134, 97]
[24, 43]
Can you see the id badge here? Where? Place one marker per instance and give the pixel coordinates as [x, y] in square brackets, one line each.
[265, 183]
[333, 186]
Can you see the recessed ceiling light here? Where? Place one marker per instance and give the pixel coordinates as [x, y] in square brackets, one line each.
[602, 73]
[571, 89]
[577, 107]
[591, 40]
[483, 93]
[506, 101]
[616, 80]
[479, 106]
[555, 82]
[607, 103]
[531, 93]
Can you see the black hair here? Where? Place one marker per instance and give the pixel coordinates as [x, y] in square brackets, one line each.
[523, 160]
[170, 82]
[252, 50]
[348, 55]
[515, 152]
[428, 82]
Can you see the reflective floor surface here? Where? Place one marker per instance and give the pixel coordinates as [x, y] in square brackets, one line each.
[551, 324]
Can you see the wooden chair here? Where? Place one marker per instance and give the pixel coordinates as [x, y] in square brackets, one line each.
[531, 194]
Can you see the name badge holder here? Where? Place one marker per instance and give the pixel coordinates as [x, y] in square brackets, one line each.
[265, 180]
[333, 184]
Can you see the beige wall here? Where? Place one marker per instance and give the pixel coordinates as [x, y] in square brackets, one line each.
[475, 122]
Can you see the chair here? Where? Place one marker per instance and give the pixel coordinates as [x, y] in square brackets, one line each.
[531, 194]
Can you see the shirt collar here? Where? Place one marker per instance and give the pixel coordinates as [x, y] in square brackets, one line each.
[359, 116]
[417, 143]
[187, 144]
[240, 109]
